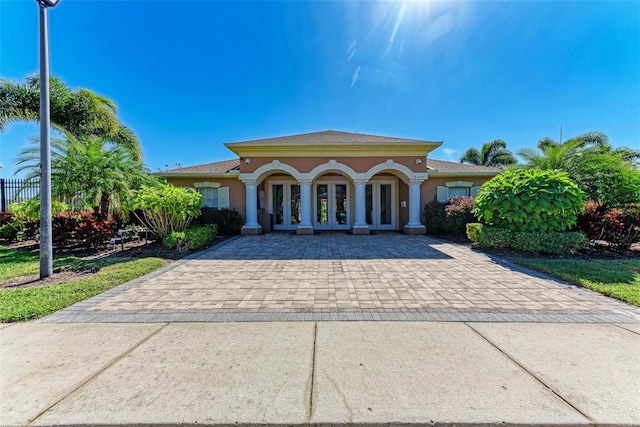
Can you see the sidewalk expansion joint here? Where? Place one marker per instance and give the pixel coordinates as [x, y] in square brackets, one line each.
[626, 329]
[313, 372]
[533, 375]
[91, 377]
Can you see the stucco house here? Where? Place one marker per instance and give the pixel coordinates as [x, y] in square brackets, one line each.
[331, 181]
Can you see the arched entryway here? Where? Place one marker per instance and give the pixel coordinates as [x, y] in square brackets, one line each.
[333, 196]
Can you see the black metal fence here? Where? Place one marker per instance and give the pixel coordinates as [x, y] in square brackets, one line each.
[17, 190]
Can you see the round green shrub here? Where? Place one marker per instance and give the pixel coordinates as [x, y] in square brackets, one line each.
[190, 239]
[529, 200]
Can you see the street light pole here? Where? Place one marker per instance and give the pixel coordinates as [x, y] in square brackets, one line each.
[46, 238]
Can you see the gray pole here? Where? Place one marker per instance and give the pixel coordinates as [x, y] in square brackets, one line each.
[46, 240]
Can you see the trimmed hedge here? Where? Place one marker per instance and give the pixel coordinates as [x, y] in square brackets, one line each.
[550, 242]
[228, 221]
[449, 218]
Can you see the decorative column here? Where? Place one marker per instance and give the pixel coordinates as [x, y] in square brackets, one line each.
[251, 202]
[305, 226]
[360, 226]
[414, 226]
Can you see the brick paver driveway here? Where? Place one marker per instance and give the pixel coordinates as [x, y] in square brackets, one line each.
[344, 277]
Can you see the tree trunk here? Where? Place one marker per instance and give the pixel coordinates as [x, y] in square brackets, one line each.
[103, 210]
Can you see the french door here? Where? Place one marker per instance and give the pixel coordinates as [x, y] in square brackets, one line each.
[380, 205]
[284, 205]
[332, 207]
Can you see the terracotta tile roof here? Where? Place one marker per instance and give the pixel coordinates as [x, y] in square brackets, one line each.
[453, 167]
[209, 168]
[331, 137]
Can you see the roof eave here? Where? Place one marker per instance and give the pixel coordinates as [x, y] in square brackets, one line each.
[232, 174]
[331, 149]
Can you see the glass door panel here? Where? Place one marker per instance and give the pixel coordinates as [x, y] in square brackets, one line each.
[278, 204]
[380, 205]
[385, 204]
[332, 206]
[295, 204]
[322, 204]
[368, 200]
[341, 204]
[284, 205]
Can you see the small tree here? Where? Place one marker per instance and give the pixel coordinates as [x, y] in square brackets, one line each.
[165, 208]
[94, 170]
[529, 200]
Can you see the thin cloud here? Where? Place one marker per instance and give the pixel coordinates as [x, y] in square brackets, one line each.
[449, 152]
[403, 9]
[354, 79]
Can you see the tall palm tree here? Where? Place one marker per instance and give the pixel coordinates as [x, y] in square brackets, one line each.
[81, 112]
[97, 171]
[491, 154]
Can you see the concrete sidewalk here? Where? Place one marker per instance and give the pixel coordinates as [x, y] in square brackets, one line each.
[324, 373]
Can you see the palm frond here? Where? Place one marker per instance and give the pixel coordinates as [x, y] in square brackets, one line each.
[471, 156]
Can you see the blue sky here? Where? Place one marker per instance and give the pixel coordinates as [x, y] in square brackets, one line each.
[190, 75]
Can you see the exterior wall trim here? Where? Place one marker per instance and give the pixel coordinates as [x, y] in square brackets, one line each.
[332, 165]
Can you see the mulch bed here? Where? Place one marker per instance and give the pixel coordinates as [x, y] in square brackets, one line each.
[132, 249]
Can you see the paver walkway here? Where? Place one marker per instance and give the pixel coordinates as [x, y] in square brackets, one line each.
[336, 276]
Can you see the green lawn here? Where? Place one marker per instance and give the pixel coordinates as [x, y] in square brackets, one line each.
[617, 278]
[33, 302]
[17, 263]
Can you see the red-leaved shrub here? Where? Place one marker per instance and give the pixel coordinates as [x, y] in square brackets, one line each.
[620, 228]
[449, 218]
[5, 217]
[82, 228]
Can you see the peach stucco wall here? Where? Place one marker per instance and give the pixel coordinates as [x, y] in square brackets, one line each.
[236, 189]
[429, 188]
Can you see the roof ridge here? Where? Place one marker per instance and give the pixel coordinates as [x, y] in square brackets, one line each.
[237, 160]
[340, 136]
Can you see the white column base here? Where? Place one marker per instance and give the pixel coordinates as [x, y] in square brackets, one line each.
[415, 229]
[250, 229]
[304, 229]
[361, 229]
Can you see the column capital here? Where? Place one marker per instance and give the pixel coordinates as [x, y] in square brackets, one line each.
[415, 181]
[305, 181]
[360, 181]
[250, 182]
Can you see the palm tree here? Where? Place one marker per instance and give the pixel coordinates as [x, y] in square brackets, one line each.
[81, 112]
[491, 154]
[101, 174]
[560, 155]
[609, 177]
